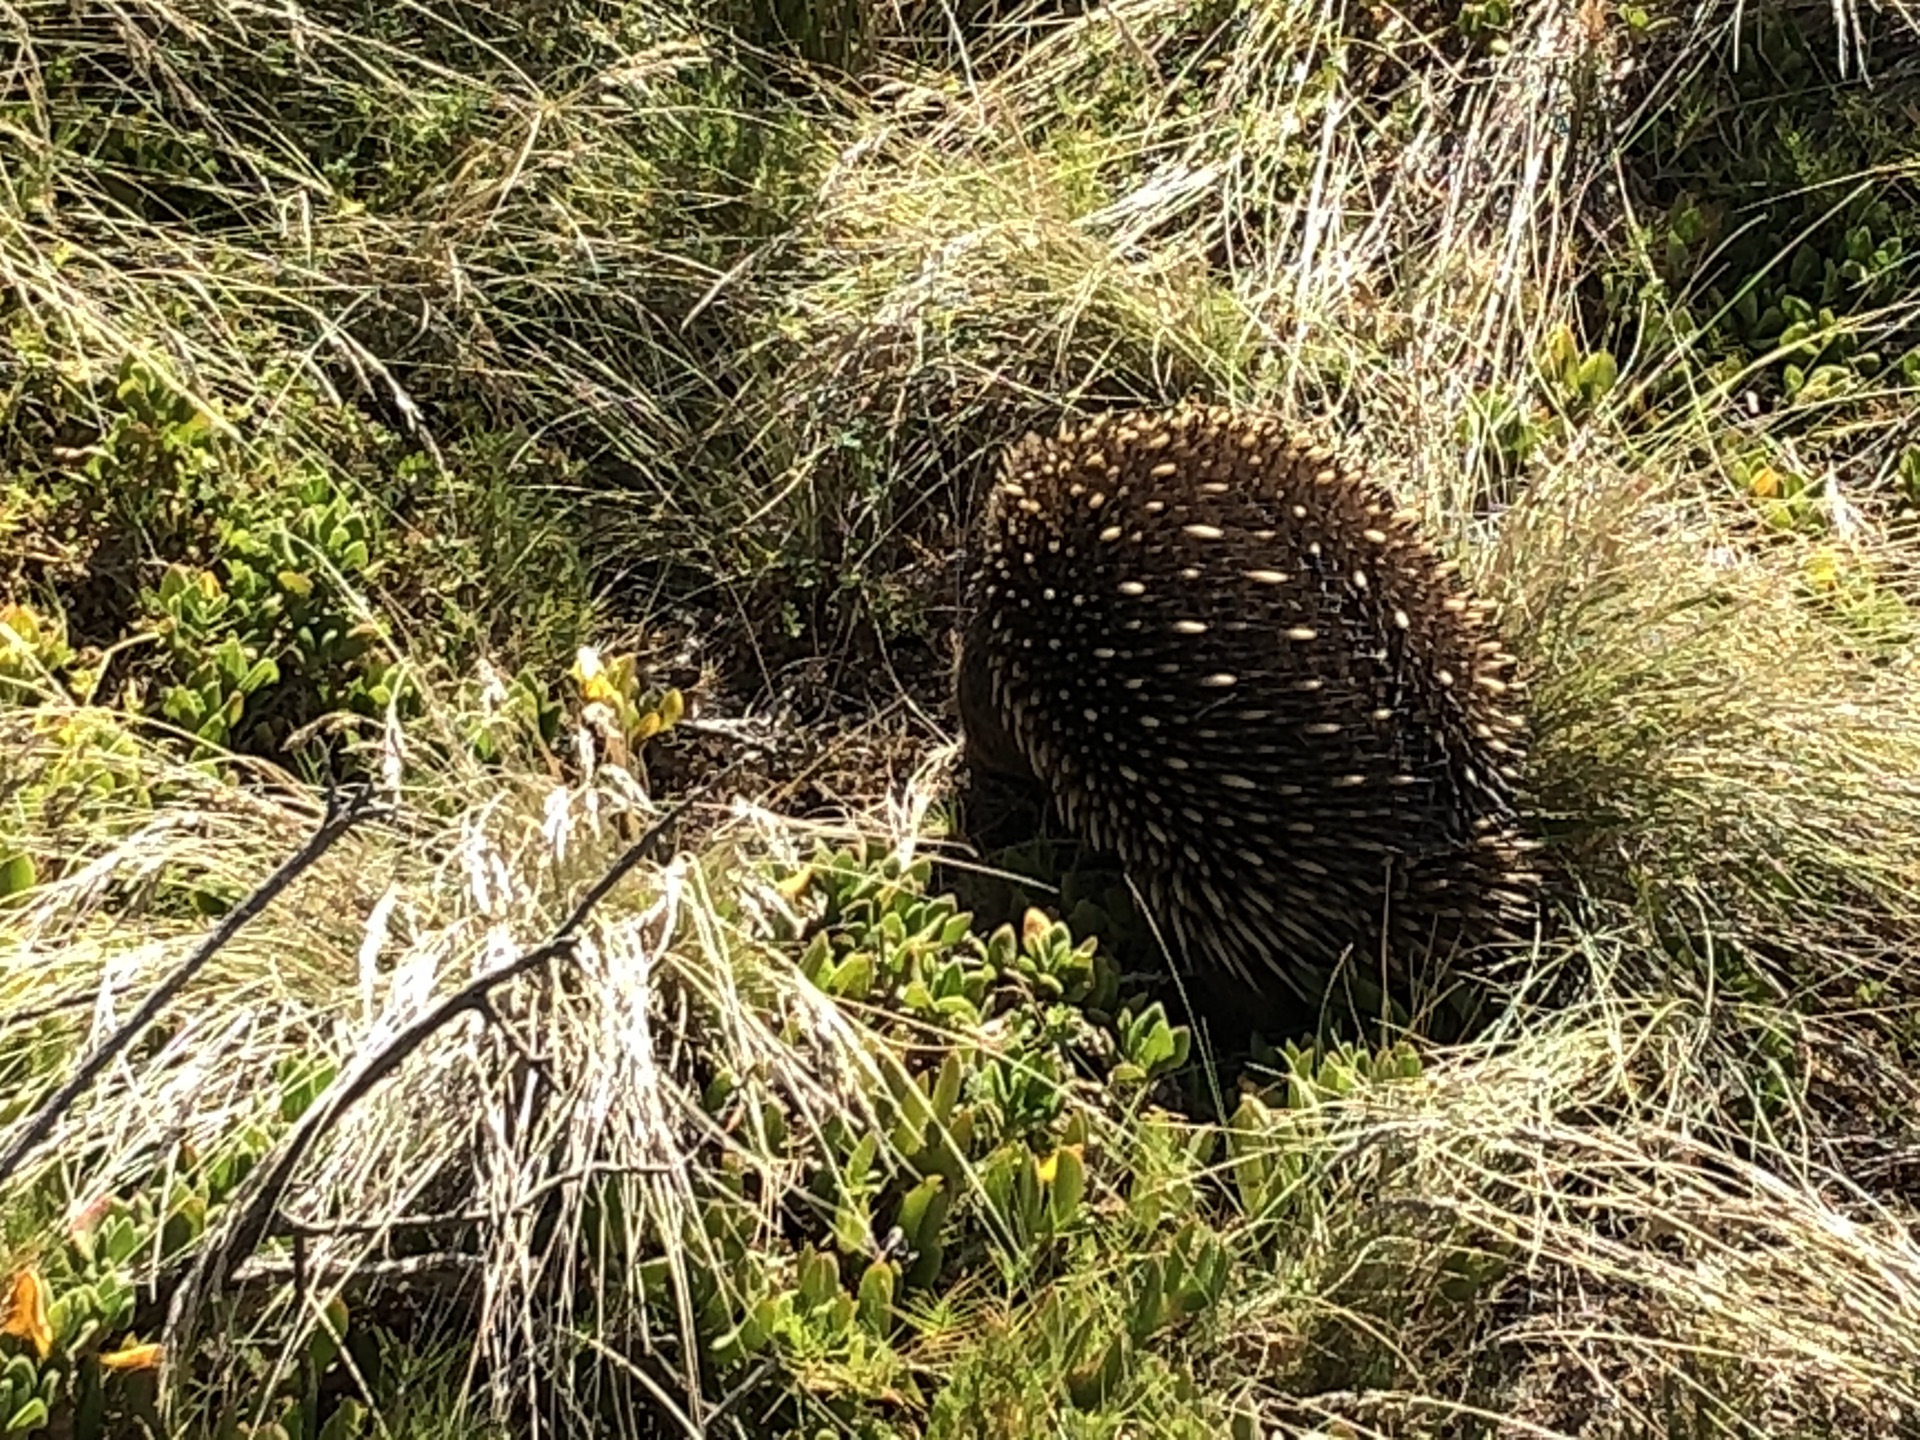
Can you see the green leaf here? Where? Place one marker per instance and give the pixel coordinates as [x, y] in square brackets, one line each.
[817, 960]
[1805, 268]
[876, 1296]
[923, 1206]
[853, 980]
[346, 1422]
[819, 1278]
[16, 874]
[120, 1238]
[264, 672]
[1069, 1185]
[840, 1314]
[1597, 374]
[184, 707]
[946, 1088]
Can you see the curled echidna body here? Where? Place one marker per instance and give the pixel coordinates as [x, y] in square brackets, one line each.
[1231, 662]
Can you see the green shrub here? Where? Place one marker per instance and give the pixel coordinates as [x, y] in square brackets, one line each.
[1784, 216]
[215, 573]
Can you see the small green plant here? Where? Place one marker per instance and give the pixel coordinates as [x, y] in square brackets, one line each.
[211, 700]
[1577, 381]
[67, 1359]
[1503, 431]
[1151, 1046]
[1853, 591]
[1784, 498]
[33, 651]
[1274, 1138]
[503, 715]
[983, 1150]
[276, 639]
[158, 467]
[1782, 240]
[615, 708]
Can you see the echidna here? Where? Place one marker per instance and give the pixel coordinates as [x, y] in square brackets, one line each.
[1233, 663]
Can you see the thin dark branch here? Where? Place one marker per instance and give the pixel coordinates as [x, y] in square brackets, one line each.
[252, 1216]
[448, 1271]
[534, 1063]
[342, 816]
[740, 1392]
[441, 1219]
[79, 1000]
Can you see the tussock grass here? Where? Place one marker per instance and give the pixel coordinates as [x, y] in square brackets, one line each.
[1152, 200]
[472, 1124]
[1713, 729]
[1659, 1283]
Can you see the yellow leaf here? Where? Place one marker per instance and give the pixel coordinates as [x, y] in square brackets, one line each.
[133, 1357]
[21, 621]
[1047, 1168]
[648, 726]
[672, 707]
[1562, 351]
[1823, 569]
[586, 665]
[27, 1311]
[795, 885]
[209, 584]
[1765, 482]
[1033, 925]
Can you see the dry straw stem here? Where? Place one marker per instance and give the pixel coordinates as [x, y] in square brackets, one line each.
[257, 1204]
[342, 814]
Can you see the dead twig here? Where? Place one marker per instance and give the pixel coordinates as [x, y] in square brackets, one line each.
[253, 1211]
[342, 815]
[442, 1270]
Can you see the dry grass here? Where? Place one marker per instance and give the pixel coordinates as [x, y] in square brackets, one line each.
[1141, 204]
[1660, 1281]
[660, 991]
